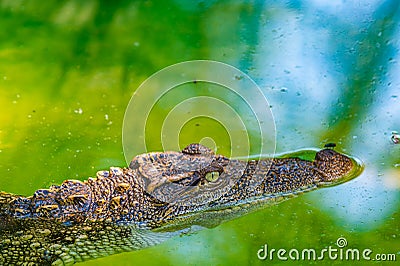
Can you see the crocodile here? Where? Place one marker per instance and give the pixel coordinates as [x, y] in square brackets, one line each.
[160, 195]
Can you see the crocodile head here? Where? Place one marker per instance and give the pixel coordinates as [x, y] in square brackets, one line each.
[196, 183]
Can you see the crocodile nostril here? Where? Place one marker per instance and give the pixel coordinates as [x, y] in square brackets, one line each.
[325, 155]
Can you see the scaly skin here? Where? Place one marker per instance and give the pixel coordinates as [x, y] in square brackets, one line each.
[160, 195]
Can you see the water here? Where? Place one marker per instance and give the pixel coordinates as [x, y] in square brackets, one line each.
[328, 69]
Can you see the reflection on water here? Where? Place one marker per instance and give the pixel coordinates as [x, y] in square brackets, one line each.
[329, 70]
[363, 204]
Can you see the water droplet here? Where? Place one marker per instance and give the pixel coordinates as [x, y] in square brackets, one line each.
[395, 137]
[78, 111]
[106, 116]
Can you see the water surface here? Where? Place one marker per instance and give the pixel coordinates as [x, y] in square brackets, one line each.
[329, 70]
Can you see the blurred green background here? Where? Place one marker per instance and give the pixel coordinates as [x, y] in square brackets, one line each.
[328, 69]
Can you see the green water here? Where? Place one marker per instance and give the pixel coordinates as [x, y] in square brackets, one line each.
[329, 70]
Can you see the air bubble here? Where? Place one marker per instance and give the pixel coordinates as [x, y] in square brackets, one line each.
[78, 111]
[395, 137]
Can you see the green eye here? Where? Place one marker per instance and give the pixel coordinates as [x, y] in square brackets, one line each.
[212, 176]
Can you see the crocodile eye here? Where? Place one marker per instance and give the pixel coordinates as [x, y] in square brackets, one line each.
[212, 176]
